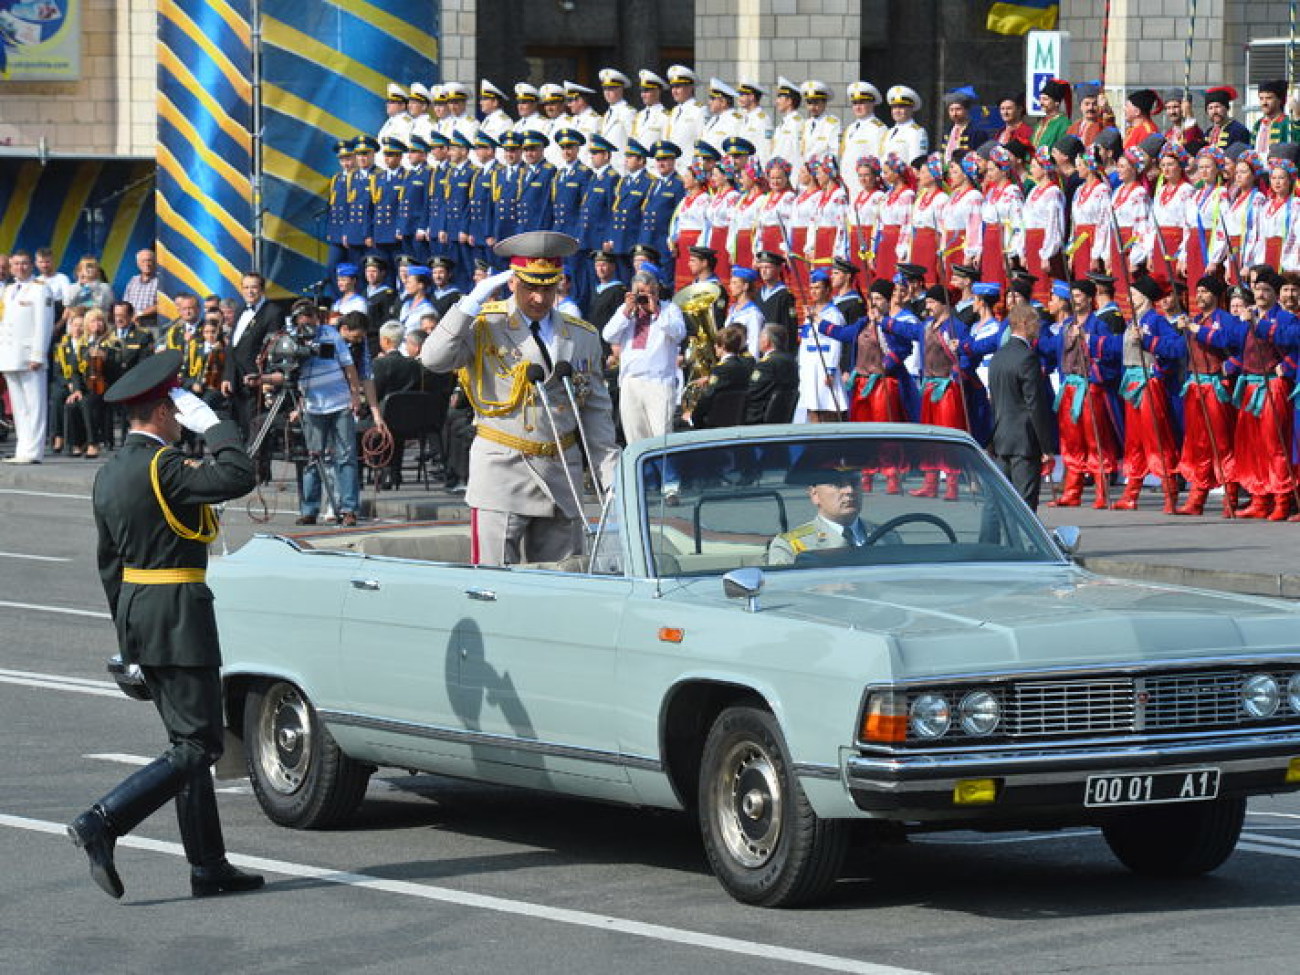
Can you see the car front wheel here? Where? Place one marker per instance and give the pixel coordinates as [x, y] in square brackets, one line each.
[300, 776]
[1177, 841]
[764, 842]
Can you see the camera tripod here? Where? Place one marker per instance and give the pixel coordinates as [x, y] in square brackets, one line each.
[288, 391]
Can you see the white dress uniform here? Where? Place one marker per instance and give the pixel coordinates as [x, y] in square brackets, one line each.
[717, 129]
[906, 140]
[589, 123]
[682, 129]
[861, 136]
[820, 383]
[26, 328]
[496, 124]
[787, 139]
[821, 135]
[396, 127]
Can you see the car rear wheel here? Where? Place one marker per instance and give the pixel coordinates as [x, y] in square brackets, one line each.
[764, 842]
[299, 775]
[1177, 841]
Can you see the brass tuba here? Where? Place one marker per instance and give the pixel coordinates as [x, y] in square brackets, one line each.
[697, 302]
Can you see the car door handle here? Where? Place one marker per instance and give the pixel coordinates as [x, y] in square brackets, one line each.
[368, 584]
[483, 595]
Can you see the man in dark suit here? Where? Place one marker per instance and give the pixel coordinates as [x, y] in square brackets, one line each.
[775, 377]
[152, 513]
[1022, 417]
[259, 319]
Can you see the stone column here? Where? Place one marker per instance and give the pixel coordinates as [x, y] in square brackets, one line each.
[458, 46]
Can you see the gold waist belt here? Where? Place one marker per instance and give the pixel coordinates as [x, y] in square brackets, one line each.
[535, 448]
[163, 577]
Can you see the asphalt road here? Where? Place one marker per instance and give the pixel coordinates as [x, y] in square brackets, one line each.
[443, 876]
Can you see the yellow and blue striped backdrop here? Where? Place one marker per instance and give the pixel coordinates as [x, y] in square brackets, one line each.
[325, 67]
[77, 207]
[205, 97]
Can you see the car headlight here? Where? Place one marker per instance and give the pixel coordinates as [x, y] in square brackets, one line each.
[931, 717]
[1260, 696]
[1293, 692]
[980, 713]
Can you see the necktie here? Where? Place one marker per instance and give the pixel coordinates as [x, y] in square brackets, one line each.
[851, 535]
[536, 329]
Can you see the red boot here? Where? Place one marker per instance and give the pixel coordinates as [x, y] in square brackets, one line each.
[1231, 496]
[1281, 507]
[1259, 507]
[1132, 490]
[1071, 491]
[1170, 486]
[1101, 502]
[893, 484]
[868, 482]
[930, 488]
[950, 491]
[1195, 502]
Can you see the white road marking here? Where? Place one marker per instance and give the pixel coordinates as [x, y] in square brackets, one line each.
[33, 558]
[541, 912]
[54, 682]
[66, 610]
[46, 494]
[1277, 814]
[1271, 840]
[1250, 846]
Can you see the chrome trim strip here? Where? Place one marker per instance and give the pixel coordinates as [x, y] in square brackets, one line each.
[813, 770]
[437, 733]
[901, 773]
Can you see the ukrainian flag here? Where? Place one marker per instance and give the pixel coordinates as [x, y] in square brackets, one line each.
[1022, 16]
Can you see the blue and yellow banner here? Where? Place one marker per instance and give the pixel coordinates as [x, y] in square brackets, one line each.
[205, 194]
[79, 207]
[1022, 16]
[325, 68]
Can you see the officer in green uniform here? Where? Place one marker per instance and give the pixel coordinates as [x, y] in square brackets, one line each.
[154, 523]
[835, 490]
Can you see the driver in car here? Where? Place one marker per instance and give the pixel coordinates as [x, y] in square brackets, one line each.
[835, 490]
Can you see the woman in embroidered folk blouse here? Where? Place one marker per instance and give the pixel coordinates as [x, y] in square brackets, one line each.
[1169, 207]
[1042, 228]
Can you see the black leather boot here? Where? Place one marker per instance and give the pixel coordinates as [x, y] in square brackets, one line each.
[91, 832]
[119, 812]
[205, 847]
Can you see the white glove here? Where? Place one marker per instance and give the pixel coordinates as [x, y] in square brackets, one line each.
[473, 302]
[192, 413]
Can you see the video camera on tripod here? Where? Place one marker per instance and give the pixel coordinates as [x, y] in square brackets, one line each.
[296, 343]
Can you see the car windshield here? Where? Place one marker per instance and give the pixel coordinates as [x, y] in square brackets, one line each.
[814, 502]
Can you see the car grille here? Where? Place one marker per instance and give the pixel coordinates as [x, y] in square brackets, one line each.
[1154, 703]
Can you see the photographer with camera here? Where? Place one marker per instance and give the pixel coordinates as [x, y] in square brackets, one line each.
[315, 357]
[647, 333]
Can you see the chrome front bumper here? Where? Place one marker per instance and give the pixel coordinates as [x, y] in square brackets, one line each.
[923, 786]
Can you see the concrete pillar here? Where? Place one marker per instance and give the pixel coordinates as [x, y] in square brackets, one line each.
[458, 52]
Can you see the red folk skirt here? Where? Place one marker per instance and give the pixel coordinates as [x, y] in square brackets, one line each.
[887, 253]
[824, 244]
[1197, 463]
[861, 241]
[925, 252]
[1161, 269]
[1197, 248]
[718, 241]
[682, 274]
[993, 268]
[1081, 263]
[771, 239]
[1273, 252]
[1044, 272]
[799, 270]
[1090, 444]
[1262, 454]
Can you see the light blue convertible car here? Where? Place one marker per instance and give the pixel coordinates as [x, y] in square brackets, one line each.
[784, 630]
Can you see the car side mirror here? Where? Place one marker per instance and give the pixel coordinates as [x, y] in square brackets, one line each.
[744, 584]
[1067, 538]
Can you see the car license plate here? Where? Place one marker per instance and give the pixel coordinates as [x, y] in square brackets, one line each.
[1143, 788]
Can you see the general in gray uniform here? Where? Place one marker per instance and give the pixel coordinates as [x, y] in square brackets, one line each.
[835, 491]
[526, 465]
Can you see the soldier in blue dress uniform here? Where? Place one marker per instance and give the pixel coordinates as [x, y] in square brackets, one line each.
[413, 210]
[567, 191]
[435, 222]
[337, 212]
[480, 224]
[358, 228]
[505, 193]
[627, 209]
[460, 173]
[535, 186]
[666, 193]
[390, 181]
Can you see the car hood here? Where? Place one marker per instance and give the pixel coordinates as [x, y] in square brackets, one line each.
[984, 618]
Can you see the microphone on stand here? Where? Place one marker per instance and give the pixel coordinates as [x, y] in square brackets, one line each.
[536, 375]
[564, 370]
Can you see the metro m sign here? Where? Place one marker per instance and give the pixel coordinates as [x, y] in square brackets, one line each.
[1046, 57]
